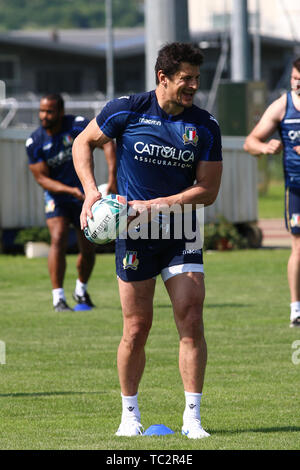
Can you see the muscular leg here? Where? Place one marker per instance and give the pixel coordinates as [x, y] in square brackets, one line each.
[58, 228]
[86, 257]
[294, 269]
[292, 206]
[187, 294]
[137, 306]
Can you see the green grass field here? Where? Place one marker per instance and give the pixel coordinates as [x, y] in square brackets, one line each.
[59, 385]
[271, 205]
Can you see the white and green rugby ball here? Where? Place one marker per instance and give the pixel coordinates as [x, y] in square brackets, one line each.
[109, 219]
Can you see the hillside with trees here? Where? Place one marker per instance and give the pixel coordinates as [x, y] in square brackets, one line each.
[66, 14]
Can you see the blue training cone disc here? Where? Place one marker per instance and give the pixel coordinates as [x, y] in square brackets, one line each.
[82, 307]
[158, 430]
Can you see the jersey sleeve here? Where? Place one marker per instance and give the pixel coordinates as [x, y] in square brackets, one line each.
[212, 142]
[113, 117]
[33, 150]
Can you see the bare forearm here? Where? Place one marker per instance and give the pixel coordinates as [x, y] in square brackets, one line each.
[254, 146]
[206, 189]
[55, 186]
[194, 195]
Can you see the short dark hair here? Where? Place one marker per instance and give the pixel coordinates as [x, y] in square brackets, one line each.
[296, 64]
[57, 98]
[171, 55]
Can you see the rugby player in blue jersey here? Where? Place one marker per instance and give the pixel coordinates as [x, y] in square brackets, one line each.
[49, 151]
[168, 153]
[283, 115]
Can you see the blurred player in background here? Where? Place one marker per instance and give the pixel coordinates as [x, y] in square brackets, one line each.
[164, 144]
[284, 115]
[49, 151]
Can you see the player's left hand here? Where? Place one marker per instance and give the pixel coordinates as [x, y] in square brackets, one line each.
[138, 208]
[146, 209]
[297, 149]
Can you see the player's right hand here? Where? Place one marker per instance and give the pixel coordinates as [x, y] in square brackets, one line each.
[90, 198]
[272, 147]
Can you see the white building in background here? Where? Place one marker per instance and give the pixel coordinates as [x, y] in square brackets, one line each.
[279, 18]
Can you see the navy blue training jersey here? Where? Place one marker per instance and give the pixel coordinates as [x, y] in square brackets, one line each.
[157, 153]
[289, 129]
[56, 152]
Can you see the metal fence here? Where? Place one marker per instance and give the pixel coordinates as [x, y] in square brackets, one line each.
[23, 113]
[238, 196]
[21, 199]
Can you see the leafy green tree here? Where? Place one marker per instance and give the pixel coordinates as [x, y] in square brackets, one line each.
[38, 14]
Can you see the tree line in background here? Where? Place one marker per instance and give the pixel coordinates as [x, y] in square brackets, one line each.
[45, 14]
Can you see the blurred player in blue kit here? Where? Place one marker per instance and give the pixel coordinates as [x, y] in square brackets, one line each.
[168, 152]
[283, 115]
[49, 151]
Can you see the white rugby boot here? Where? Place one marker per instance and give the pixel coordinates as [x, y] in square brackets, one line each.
[130, 427]
[193, 430]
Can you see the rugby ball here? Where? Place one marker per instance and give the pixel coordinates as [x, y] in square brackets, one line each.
[103, 189]
[109, 219]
